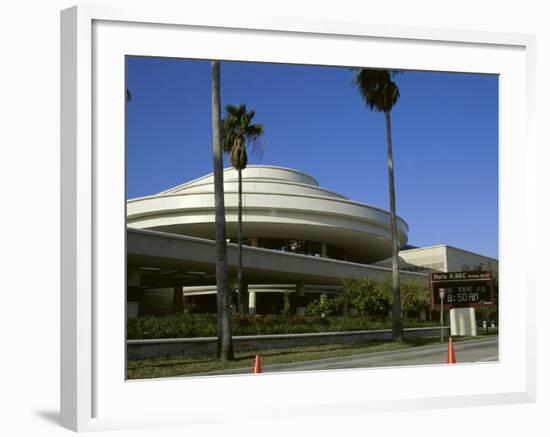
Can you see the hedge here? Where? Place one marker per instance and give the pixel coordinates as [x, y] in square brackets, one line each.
[204, 325]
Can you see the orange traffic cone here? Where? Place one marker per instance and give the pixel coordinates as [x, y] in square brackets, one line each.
[451, 358]
[257, 365]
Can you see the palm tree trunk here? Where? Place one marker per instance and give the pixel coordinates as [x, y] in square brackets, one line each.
[225, 341]
[397, 324]
[240, 240]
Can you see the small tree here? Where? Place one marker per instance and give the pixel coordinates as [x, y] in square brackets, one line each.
[368, 296]
[287, 309]
[324, 307]
[415, 297]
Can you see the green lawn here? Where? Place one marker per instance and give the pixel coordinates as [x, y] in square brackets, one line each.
[174, 366]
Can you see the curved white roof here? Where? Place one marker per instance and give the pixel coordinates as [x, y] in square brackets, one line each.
[278, 202]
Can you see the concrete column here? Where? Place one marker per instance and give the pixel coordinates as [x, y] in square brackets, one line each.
[132, 310]
[254, 241]
[251, 302]
[177, 299]
[133, 291]
[324, 250]
[133, 276]
[300, 299]
[287, 305]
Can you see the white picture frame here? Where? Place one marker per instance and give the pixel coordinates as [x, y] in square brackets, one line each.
[94, 41]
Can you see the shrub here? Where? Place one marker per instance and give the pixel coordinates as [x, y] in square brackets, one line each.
[204, 325]
[325, 307]
[172, 326]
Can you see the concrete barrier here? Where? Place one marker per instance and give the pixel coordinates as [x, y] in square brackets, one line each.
[206, 346]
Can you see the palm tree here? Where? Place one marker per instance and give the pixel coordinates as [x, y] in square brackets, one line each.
[225, 342]
[237, 134]
[381, 93]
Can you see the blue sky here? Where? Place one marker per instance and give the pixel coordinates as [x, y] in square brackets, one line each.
[444, 129]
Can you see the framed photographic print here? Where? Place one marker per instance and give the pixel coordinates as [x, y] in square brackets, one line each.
[329, 282]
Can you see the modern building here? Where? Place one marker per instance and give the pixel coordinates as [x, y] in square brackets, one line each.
[300, 241]
[441, 258]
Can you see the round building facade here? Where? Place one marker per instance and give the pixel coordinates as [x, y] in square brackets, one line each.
[283, 209]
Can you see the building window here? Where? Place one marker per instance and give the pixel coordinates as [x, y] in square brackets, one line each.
[303, 247]
[438, 267]
[335, 252]
[246, 241]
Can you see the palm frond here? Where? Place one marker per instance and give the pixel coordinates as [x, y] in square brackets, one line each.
[377, 88]
[238, 134]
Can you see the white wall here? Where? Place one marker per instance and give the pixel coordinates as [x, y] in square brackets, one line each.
[433, 257]
[444, 258]
[29, 181]
[457, 259]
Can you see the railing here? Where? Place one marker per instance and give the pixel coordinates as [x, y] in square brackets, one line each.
[206, 346]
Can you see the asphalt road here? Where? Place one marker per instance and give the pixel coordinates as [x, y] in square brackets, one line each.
[472, 351]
